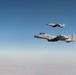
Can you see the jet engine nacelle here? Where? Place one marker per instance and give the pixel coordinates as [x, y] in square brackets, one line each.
[62, 26]
[65, 36]
[68, 40]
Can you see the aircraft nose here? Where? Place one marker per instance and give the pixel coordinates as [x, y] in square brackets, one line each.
[35, 36]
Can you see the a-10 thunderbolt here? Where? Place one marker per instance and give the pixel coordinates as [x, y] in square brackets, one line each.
[52, 38]
[56, 25]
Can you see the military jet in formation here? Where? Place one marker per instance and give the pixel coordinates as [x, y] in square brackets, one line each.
[56, 25]
[52, 38]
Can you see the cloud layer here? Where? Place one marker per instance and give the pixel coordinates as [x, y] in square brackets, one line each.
[40, 64]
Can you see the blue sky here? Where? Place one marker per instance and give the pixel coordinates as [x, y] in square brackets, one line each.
[20, 20]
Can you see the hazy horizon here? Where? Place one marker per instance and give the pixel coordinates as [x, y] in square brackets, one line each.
[37, 64]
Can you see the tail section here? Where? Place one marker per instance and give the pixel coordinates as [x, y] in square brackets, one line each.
[74, 38]
[64, 25]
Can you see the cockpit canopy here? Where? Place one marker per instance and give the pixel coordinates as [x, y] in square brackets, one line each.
[41, 33]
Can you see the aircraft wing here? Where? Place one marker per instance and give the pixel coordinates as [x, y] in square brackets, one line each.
[53, 39]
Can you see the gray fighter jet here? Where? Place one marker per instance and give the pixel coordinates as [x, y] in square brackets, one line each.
[56, 25]
[52, 38]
